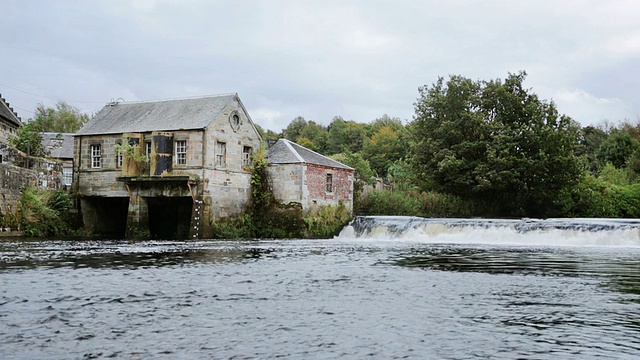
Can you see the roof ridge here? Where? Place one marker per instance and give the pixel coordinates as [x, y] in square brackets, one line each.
[290, 144]
[294, 151]
[116, 102]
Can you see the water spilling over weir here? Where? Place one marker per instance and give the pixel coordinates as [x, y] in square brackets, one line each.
[578, 231]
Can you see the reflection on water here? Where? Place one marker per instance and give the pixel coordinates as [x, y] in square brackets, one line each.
[616, 268]
[17, 255]
[341, 298]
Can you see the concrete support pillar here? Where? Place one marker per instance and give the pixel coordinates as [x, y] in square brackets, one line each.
[137, 218]
[89, 215]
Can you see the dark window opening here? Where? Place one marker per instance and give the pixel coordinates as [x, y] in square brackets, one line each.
[329, 183]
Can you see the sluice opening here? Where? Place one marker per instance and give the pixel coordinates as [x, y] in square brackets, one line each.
[169, 217]
[110, 216]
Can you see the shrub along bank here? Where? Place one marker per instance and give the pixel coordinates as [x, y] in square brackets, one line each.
[41, 213]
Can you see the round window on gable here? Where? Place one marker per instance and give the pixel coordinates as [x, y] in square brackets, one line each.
[234, 120]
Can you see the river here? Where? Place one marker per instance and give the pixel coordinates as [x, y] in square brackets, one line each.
[431, 295]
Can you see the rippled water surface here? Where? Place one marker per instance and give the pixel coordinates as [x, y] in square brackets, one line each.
[300, 299]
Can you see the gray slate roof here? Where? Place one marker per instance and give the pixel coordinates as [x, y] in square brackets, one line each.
[60, 145]
[7, 113]
[288, 152]
[166, 115]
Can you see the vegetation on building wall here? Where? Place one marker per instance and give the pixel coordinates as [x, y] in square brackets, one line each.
[267, 218]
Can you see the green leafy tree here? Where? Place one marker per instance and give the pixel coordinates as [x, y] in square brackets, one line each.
[496, 143]
[633, 128]
[344, 134]
[267, 134]
[383, 148]
[307, 133]
[294, 129]
[386, 121]
[617, 149]
[29, 140]
[590, 139]
[63, 118]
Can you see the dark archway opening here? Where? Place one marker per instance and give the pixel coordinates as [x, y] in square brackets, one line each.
[111, 216]
[169, 217]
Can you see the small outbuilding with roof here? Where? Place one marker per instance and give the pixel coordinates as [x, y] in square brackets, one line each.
[311, 179]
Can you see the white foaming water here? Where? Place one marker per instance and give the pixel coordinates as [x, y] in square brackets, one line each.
[527, 232]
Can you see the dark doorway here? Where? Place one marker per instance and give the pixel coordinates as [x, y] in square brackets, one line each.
[169, 217]
[111, 216]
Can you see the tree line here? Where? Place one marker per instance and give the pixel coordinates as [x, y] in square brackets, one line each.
[484, 148]
[473, 148]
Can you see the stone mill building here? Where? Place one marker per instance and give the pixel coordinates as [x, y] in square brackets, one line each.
[166, 167]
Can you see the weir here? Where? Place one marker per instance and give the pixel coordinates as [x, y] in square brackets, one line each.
[565, 231]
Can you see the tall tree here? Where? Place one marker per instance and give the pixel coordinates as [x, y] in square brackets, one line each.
[496, 143]
[386, 121]
[268, 134]
[347, 135]
[383, 148]
[306, 133]
[617, 149]
[63, 118]
[29, 140]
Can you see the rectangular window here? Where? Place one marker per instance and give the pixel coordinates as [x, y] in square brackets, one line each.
[67, 175]
[246, 156]
[96, 156]
[329, 183]
[147, 150]
[221, 154]
[181, 152]
[118, 160]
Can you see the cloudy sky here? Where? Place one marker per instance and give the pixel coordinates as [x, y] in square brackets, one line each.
[318, 59]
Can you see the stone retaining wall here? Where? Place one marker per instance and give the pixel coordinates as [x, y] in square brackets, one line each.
[18, 171]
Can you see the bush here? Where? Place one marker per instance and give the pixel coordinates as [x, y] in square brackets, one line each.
[280, 221]
[240, 227]
[598, 198]
[326, 221]
[444, 205]
[42, 212]
[392, 202]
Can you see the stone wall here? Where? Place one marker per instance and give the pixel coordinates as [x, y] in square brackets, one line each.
[227, 192]
[286, 182]
[15, 176]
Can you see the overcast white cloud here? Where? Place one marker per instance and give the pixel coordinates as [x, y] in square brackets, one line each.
[319, 59]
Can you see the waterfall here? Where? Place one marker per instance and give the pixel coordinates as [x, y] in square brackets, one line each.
[577, 231]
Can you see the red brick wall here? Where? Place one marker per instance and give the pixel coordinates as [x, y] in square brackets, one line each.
[316, 182]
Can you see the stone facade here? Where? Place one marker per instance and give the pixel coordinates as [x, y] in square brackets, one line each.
[203, 171]
[9, 121]
[6, 131]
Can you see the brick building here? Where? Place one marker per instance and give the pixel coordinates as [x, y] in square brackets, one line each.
[300, 175]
